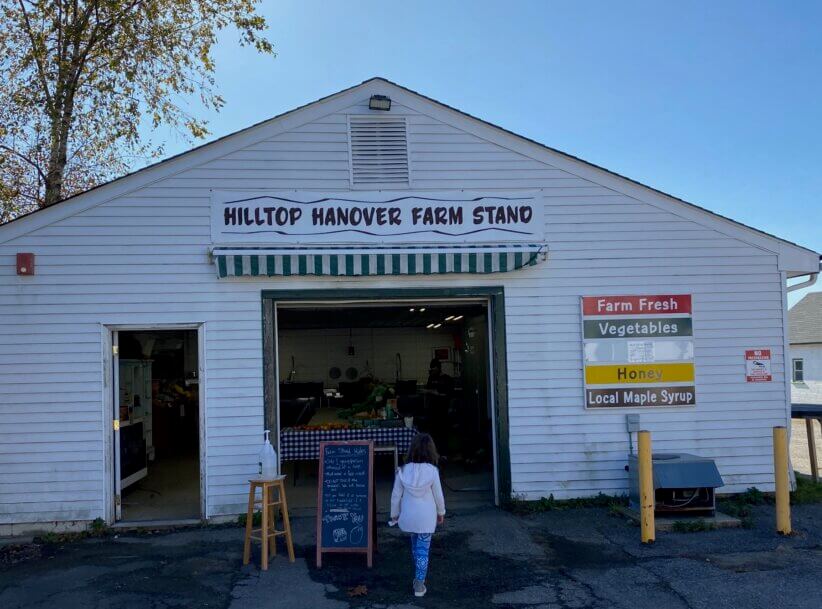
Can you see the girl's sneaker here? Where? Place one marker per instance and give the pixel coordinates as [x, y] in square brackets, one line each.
[419, 588]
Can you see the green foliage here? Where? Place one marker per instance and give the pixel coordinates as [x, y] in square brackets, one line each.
[807, 491]
[256, 521]
[547, 504]
[380, 393]
[739, 505]
[81, 76]
[97, 528]
[50, 538]
[692, 526]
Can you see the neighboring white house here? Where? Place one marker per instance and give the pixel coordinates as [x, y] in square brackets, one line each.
[677, 303]
[805, 319]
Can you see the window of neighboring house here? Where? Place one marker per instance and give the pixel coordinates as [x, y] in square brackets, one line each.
[798, 370]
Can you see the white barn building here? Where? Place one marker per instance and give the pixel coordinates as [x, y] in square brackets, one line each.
[806, 349]
[298, 251]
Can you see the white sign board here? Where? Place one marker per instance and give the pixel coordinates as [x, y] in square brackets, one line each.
[638, 351]
[758, 366]
[376, 217]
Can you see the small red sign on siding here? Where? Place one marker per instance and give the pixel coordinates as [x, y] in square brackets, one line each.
[25, 263]
[758, 365]
[637, 305]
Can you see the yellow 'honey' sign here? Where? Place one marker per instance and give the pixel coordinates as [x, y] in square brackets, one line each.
[639, 373]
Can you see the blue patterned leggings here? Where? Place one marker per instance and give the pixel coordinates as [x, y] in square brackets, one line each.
[420, 546]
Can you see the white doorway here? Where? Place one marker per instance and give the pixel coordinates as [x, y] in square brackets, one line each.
[156, 403]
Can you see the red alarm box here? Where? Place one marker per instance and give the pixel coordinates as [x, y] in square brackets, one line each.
[25, 263]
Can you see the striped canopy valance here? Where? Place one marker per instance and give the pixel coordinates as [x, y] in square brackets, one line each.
[351, 262]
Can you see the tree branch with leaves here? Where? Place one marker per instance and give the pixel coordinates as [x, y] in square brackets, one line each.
[80, 77]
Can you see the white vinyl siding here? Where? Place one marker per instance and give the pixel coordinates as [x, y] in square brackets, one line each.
[809, 389]
[142, 258]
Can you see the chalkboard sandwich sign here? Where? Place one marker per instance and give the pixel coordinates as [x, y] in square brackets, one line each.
[345, 498]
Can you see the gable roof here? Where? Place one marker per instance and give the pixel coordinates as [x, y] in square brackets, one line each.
[803, 259]
[805, 320]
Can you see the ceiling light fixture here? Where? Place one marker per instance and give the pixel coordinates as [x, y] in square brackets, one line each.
[422, 309]
[457, 318]
[429, 326]
[449, 318]
[437, 326]
[412, 309]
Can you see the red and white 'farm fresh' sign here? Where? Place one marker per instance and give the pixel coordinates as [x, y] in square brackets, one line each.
[758, 365]
[636, 305]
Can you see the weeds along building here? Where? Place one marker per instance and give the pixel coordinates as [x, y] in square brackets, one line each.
[153, 327]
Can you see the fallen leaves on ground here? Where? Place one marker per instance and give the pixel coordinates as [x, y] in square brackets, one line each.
[360, 590]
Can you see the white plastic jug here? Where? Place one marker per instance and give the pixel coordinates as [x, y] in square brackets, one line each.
[268, 459]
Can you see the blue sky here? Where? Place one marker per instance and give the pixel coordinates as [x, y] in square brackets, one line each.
[716, 103]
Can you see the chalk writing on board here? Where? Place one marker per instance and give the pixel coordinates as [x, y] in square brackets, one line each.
[345, 496]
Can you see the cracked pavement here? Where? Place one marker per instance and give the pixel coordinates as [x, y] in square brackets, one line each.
[577, 559]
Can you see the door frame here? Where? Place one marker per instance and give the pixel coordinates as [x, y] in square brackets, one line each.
[110, 383]
[498, 368]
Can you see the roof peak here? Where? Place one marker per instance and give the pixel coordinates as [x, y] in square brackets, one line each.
[805, 319]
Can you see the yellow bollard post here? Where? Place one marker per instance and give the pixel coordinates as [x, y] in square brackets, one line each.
[646, 487]
[780, 464]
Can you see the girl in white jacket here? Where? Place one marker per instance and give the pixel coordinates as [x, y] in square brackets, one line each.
[417, 502]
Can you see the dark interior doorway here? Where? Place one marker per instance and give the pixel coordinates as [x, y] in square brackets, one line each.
[159, 424]
[427, 360]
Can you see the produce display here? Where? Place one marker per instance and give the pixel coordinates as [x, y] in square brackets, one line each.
[328, 426]
[380, 392]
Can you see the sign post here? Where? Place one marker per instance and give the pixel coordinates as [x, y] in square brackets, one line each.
[345, 499]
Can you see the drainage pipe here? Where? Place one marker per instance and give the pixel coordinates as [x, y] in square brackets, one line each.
[804, 284]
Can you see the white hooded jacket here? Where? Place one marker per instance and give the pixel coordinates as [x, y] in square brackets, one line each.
[417, 498]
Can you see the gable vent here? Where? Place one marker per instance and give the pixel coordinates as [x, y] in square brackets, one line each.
[379, 150]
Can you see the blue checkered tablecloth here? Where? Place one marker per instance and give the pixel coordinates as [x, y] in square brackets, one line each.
[303, 444]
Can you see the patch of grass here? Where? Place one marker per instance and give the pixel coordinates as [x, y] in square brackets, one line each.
[97, 528]
[692, 526]
[520, 506]
[807, 491]
[256, 521]
[739, 505]
[614, 511]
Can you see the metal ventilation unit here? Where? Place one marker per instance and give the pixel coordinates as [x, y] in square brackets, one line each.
[683, 484]
[379, 150]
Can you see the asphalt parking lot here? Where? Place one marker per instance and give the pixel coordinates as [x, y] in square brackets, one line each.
[484, 557]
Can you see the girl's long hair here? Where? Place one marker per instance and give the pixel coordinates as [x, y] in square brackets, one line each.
[422, 450]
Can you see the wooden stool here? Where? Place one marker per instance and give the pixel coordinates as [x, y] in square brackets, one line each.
[268, 532]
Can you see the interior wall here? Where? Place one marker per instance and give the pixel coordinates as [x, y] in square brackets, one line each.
[317, 351]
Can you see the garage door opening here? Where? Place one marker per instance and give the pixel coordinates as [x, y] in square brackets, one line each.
[387, 371]
[157, 446]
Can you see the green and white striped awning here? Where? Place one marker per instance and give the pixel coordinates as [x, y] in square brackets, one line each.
[353, 262]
